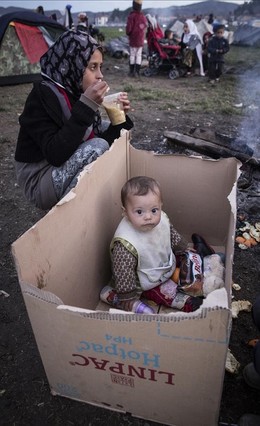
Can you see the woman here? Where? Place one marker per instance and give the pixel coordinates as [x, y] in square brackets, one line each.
[191, 42]
[61, 129]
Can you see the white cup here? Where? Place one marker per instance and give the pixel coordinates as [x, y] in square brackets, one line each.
[114, 108]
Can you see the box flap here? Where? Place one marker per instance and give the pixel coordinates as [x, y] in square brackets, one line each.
[62, 253]
[195, 191]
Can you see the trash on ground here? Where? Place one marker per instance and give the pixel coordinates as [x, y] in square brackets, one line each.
[236, 286]
[232, 365]
[248, 235]
[3, 293]
[240, 305]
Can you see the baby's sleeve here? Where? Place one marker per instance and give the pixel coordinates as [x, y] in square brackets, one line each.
[124, 267]
[178, 242]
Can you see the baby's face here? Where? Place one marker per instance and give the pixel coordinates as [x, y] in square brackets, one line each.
[144, 211]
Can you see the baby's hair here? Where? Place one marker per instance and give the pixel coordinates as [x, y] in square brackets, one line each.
[139, 185]
[167, 33]
[219, 27]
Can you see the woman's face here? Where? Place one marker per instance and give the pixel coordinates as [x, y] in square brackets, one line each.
[186, 28]
[93, 70]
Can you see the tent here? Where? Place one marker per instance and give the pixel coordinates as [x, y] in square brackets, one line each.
[24, 38]
[247, 35]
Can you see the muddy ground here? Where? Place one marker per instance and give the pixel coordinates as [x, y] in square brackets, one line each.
[25, 397]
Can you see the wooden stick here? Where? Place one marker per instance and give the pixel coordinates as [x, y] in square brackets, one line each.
[209, 148]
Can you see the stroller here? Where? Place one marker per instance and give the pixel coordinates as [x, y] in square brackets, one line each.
[162, 56]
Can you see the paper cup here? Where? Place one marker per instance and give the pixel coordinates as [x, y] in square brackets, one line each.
[114, 109]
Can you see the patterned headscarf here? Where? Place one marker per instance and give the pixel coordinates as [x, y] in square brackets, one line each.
[66, 60]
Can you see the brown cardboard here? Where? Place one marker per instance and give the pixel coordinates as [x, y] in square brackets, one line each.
[164, 368]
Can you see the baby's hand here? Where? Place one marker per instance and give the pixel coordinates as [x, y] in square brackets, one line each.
[125, 101]
[97, 91]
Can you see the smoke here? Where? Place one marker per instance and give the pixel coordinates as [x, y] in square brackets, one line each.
[250, 97]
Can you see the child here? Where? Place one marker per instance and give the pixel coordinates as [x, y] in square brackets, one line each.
[206, 38]
[135, 30]
[170, 38]
[191, 47]
[142, 250]
[218, 46]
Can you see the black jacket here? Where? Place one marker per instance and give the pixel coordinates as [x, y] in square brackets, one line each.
[217, 48]
[45, 134]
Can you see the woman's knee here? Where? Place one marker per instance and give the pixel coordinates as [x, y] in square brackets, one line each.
[96, 144]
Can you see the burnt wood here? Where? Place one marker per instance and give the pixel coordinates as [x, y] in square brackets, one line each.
[209, 148]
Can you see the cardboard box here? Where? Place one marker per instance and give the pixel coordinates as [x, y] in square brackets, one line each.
[164, 368]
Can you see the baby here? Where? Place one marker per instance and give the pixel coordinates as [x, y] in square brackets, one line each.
[142, 250]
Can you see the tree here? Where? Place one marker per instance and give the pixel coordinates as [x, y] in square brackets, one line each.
[251, 7]
[119, 16]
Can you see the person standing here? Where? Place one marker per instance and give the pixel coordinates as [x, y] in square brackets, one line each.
[82, 22]
[211, 19]
[135, 30]
[40, 10]
[191, 47]
[205, 39]
[68, 20]
[218, 46]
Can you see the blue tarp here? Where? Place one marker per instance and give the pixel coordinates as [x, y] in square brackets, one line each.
[247, 35]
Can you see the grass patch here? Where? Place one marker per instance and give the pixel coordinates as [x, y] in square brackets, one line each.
[112, 32]
[241, 56]
[200, 98]
[129, 88]
[230, 110]
[145, 94]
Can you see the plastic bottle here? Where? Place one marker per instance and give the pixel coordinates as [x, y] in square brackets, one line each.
[141, 308]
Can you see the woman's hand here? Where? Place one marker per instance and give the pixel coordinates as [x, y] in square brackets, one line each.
[97, 91]
[123, 98]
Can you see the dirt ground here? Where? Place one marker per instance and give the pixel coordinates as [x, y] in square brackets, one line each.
[25, 397]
